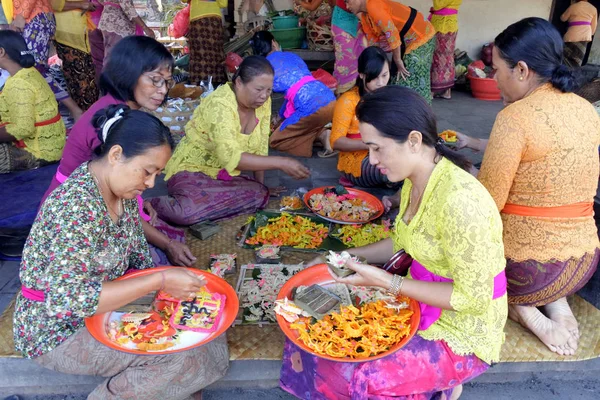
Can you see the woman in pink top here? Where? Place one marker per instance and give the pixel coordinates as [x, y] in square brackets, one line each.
[143, 83]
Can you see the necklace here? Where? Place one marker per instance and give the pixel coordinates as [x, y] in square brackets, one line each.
[120, 204]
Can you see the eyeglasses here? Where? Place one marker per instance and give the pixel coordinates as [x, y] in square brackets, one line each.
[159, 81]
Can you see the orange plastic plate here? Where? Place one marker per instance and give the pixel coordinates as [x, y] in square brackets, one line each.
[98, 324]
[371, 200]
[319, 274]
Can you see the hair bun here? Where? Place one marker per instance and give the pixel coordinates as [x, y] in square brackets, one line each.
[563, 78]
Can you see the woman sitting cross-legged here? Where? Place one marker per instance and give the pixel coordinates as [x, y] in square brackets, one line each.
[228, 134]
[88, 233]
[450, 226]
[32, 133]
[353, 162]
[138, 74]
[541, 167]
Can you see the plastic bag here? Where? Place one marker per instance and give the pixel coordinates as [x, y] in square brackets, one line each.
[326, 78]
[293, 201]
[207, 86]
[181, 23]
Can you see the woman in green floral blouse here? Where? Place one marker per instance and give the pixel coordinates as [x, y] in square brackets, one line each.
[87, 234]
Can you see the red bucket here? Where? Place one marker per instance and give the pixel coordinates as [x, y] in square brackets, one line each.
[485, 89]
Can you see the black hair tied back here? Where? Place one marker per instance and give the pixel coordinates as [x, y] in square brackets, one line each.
[134, 131]
[15, 47]
[564, 78]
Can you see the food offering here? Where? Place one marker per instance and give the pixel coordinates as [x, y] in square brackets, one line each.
[222, 264]
[337, 263]
[289, 231]
[362, 235]
[145, 331]
[319, 322]
[291, 203]
[200, 314]
[449, 137]
[344, 206]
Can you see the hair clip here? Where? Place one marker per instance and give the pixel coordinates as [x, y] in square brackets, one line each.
[25, 52]
[110, 122]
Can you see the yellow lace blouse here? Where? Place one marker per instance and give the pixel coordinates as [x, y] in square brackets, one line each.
[214, 140]
[543, 152]
[27, 99]
[445, 23]
[457, 234]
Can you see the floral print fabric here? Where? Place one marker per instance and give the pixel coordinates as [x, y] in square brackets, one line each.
[457, 234]
[73, 247]
[312, 96]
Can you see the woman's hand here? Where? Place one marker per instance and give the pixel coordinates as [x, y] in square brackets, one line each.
[277, 191]
[150, 211]
[402, 71]
[462, 141]
[182, 283]
[180, 254]
[294, 168]
[149, 32]
[18, 23]
[390, 202]
[366, 275]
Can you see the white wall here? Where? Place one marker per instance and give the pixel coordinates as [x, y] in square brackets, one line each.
[479, 20]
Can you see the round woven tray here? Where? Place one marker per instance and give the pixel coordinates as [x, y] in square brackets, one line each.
[320, 37]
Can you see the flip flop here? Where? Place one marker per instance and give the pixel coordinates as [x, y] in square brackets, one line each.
[327, 153]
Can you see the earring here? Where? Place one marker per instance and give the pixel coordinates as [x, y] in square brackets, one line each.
[520, 78]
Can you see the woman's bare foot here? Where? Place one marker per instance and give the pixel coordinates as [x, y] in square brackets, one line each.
[324, 139]
[560, 312]
[456, 392]
[555, 336]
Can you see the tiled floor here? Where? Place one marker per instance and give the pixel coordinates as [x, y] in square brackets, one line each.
[462, 113]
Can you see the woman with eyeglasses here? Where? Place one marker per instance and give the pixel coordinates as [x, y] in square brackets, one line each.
[143, 83]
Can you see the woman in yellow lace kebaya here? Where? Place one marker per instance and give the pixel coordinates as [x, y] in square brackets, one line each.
[450, 226]
[228, 134]
[541, 167]
[32, 133]
[353, 163]
[404, 32]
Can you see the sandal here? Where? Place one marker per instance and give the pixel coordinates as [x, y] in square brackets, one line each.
[327, 153]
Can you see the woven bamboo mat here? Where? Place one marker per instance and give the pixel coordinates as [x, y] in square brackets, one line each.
[7, 345]
[251, 342]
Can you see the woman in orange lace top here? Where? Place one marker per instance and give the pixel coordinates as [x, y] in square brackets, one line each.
[541, 167]
[353, 162]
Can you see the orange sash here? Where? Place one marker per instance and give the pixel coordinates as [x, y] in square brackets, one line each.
[20, 143]
[576, 210]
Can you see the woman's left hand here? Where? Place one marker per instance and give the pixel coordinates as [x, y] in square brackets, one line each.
[366, 275]
[150, 211]
[180, 254]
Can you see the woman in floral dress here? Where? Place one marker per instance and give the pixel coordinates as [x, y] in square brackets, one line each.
[87, 234]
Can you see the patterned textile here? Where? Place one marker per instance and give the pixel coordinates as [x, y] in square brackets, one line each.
[421, 370]
[298, 139]
[72, 248]
[96, 40]
[574, 52]
[14, 159]
[543, 152]
[289, 69]
[159, 257]
[110, 39]
[79, 71]
[29, 9]
[384, 20]
[369, 176]
[347, 50]
[25, 101]
[532, 283]
[37, 34]
[418, 63]
[457, 234]
[445, 23]
[345, 123]
[196, 197]
[118, 20]
[130, 376]
[205, 39]
[214, 140]
[442, 68]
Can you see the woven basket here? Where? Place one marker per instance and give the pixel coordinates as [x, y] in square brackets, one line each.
[320, 37]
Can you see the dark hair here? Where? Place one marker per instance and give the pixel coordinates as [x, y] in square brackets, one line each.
[396, 111]
[130, 58]
[262, 43]
[538, 43]
[15, 47]
[252, 67]
[136, 131]
[370, 63]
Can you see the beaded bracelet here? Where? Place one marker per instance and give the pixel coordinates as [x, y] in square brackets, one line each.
[396, 285]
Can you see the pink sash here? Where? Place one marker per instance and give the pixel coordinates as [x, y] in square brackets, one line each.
[430, 314]
[444, 12]
[578, 23]
[291, 93]
[61, 178]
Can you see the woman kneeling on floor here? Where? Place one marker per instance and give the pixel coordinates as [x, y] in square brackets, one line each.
[228, 134]
[308, 105]
[32, 133]
[450, 226]
[88, 233]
